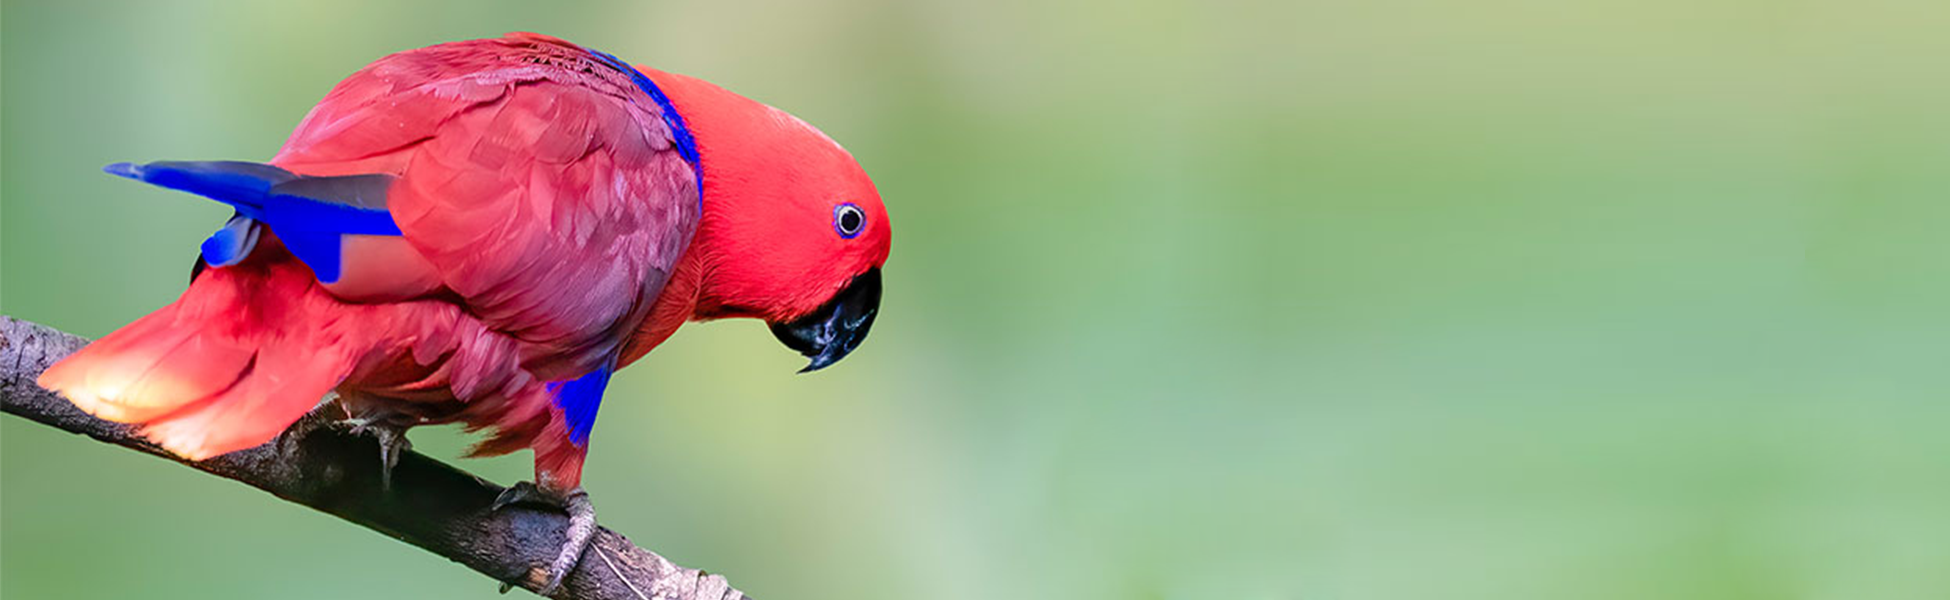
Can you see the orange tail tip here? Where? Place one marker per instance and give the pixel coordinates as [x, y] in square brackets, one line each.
[281, 386]
[148, 369]
[198, 382]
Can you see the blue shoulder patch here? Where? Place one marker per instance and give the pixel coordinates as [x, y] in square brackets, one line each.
[579, 398]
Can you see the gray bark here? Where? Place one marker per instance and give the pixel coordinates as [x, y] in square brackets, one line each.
[431, 505]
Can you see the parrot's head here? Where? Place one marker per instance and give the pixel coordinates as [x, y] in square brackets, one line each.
[793, 231]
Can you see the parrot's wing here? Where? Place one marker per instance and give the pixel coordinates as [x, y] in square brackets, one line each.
[537, 180]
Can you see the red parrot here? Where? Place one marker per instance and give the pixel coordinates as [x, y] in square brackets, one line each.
[480, 232]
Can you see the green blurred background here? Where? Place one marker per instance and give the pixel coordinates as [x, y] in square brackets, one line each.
[1337, 299]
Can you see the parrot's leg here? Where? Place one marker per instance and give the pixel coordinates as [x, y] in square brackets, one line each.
[559, 455]
[582, 526]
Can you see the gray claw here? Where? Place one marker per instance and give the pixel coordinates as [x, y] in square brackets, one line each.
[391, 436]
[392, 444]
[523, 493]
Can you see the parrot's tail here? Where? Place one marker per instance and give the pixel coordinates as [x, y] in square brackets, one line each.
[243, 354]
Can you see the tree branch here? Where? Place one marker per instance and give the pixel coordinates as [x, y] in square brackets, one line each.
[437, 507]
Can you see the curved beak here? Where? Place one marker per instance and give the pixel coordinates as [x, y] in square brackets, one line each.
[836, 328]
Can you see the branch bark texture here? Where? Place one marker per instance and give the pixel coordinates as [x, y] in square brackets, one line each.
[431, 505]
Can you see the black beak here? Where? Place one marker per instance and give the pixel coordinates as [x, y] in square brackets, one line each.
[828, 334]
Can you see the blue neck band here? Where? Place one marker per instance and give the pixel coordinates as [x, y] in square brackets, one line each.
[686, 145]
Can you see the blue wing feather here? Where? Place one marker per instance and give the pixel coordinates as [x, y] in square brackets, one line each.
[239, 184]
[311, 214]
[319, 250]
[229, 245]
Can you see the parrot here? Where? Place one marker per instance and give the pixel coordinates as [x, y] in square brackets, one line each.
[480, 233]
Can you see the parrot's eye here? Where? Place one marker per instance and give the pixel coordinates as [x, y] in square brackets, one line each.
[849, 220]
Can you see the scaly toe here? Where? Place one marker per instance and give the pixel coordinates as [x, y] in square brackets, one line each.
[581, 531]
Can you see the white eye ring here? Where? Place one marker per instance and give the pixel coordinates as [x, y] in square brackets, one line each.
[849, 220]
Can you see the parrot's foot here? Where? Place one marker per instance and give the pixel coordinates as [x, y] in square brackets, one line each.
[389, 432]
[582, 527]
[392, 444]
